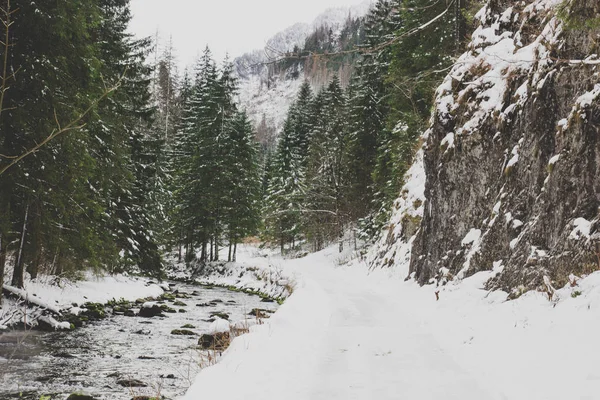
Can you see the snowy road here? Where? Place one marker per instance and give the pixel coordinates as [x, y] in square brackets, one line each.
[346, 334]
[372, 350]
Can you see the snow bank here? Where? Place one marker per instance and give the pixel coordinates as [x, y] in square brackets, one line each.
[96, 289]
[351, 333]
[219, 325]
[33, 299]
[60, 295]
[59, 326]
[256, 271]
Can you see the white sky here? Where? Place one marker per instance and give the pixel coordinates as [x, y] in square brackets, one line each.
[227, 26]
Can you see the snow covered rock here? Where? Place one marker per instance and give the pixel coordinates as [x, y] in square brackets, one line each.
[49, 324]
[219, 325]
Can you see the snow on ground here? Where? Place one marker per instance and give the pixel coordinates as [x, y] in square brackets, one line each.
[93, 289]
[61, 294]
[350, 333]
[264, 277]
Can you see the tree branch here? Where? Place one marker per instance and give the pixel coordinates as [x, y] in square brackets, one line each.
[75, 124]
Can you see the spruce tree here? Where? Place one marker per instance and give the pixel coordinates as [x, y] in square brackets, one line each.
[327, 179]
[242, 184]
[71, 205]
[285, 194]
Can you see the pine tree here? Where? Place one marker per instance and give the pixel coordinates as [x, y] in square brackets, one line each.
[197, 150]
[327, 179]
[217, 171]
[284, 200]
[63, 205]
[368, 113]
[44, 201]
[415, 69]
[284, 194]
[131, 125]
[242, 182]
[300, 115]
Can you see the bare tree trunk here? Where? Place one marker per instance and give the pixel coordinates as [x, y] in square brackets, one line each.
[458, 23]
[235, 251]
[180, 244]
[216, 248]
[230, 246]
[36, 241]
[212, 256]
[17, 279]
[341, 236]
[187, 251]
[2, 264]
[58, 263]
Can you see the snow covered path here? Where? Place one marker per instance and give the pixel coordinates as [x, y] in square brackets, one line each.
[346, 334]
[372, 350]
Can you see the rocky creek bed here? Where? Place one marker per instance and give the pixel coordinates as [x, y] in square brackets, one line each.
[123, 355]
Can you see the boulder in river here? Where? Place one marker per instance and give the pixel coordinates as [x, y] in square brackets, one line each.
[216, 341]
[182, 332]
[150, 310]
[64, 355]
[94, 311]
[267, 300]
[168, 309]
[260, 313]
[131, 383]
[77, 396]
[221, 315]
[168, 296]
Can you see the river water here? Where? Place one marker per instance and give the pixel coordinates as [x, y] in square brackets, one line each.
[92, 359]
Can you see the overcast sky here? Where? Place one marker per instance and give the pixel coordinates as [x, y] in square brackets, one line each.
[227, 26]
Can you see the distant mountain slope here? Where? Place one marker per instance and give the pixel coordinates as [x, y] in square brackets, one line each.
[267, 88]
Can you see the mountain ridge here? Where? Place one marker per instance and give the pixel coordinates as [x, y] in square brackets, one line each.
[266, 92]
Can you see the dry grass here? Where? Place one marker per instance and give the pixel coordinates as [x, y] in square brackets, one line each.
[222, 341]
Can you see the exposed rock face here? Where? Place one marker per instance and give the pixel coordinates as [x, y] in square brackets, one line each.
[511, 163]
[512, 160]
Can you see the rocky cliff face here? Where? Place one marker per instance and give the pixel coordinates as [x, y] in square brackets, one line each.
[512, 160]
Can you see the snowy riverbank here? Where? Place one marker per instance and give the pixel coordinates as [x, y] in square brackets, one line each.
[347, 333]
[256, 271]
[50, 295]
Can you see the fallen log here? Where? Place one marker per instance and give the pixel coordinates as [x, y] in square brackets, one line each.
[29, 299]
